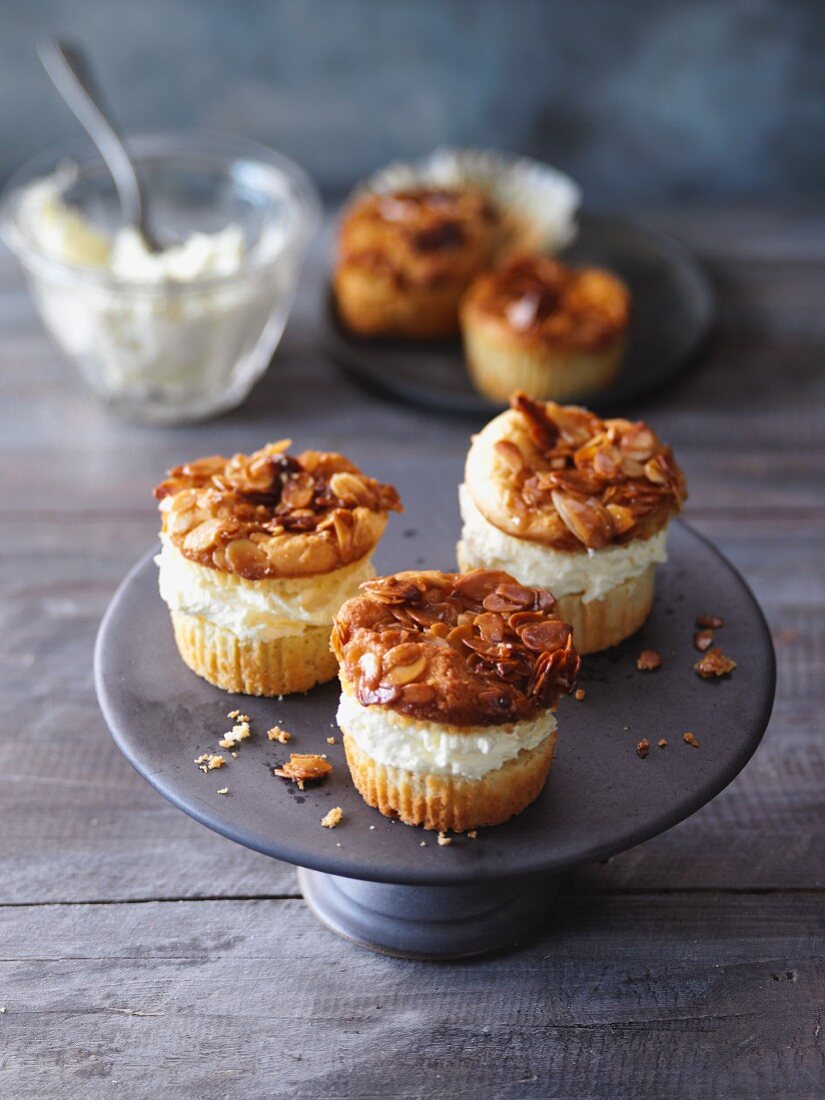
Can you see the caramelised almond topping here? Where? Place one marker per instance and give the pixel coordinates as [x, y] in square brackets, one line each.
[607, 481]
[302, 768]
[714, 663]
[709, 622]
[540, 298]
[648, 660]
[471, 649]
[231, 514]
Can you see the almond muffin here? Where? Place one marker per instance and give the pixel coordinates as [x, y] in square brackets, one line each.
[406, 258]
[550, 330]
[561, 498]
[449, 684]
[258, 553]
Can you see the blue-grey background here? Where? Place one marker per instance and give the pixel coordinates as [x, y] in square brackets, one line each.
[654, 101]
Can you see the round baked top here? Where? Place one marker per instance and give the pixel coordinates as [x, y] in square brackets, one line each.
[471, 649]
[537, 299]
[562, 476]
[421, 236]
[272, 514]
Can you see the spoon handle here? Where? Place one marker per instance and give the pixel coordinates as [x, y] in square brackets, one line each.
[72, 75]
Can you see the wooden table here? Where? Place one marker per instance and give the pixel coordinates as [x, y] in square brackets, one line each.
[142, 955]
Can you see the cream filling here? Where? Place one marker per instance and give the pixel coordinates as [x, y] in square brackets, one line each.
[433, 748]
[589, 573]
[258, 610]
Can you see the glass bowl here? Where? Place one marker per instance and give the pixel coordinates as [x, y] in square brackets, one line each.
[172, 350]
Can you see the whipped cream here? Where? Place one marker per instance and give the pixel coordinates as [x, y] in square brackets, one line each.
[146, 326]
[433, 748]
[589, 573]
[261, 610]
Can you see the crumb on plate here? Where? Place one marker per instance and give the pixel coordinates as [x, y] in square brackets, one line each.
[239, 732]
[304, 767]
[278, 734]
[714, 663]
[648, 660]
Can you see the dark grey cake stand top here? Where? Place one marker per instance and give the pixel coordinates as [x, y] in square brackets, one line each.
[673, 313]
[600, 797]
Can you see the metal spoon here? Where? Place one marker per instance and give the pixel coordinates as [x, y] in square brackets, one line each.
[72, 75]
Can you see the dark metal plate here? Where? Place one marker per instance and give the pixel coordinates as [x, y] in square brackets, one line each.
[674, 310]
[600, 797]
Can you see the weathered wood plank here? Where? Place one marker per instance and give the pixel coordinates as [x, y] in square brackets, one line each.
[686, 997]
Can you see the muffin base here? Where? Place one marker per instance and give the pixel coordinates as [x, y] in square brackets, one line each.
[600, 624]
[544, 373]
[278, 667]
[449, 802]
[372, 305]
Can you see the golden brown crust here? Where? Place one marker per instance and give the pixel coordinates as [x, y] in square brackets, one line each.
[533, 299]
[562, 476]
[281, 666]
[451, 802]
[473, 649]
[271, 514]
[406, 258]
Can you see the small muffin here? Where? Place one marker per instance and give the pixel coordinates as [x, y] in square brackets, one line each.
[258, 553]
[406, 258]
[553, 331]
[448, 687]
[561, 498]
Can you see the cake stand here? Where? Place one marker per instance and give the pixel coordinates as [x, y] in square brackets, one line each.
[394, 888]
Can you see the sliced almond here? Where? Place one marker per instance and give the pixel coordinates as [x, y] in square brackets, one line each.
[406, 674]
[203, 536]
[588, 520]
[510, 455]
[244, 556]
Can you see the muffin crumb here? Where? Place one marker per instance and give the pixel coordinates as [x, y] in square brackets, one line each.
[714, 663]
[333, 818]
[643, 748]
[580, 694]
[662, 743]
[444, 840]
[648, 660]
[208, 761]
[233, 714]
[689, 739]
[331, 741]
[709, 622]
[278, 734]
[239, 732]
[703, 640]
[223, 790]
[473, 834]
[423, 844]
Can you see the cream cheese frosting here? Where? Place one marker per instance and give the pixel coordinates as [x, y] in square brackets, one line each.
[589, 573]
[260, 610]
[397, 741]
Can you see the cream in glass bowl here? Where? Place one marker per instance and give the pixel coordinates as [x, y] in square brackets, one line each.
[184, 333]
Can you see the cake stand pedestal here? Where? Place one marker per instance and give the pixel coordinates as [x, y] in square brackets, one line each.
[429, 922]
